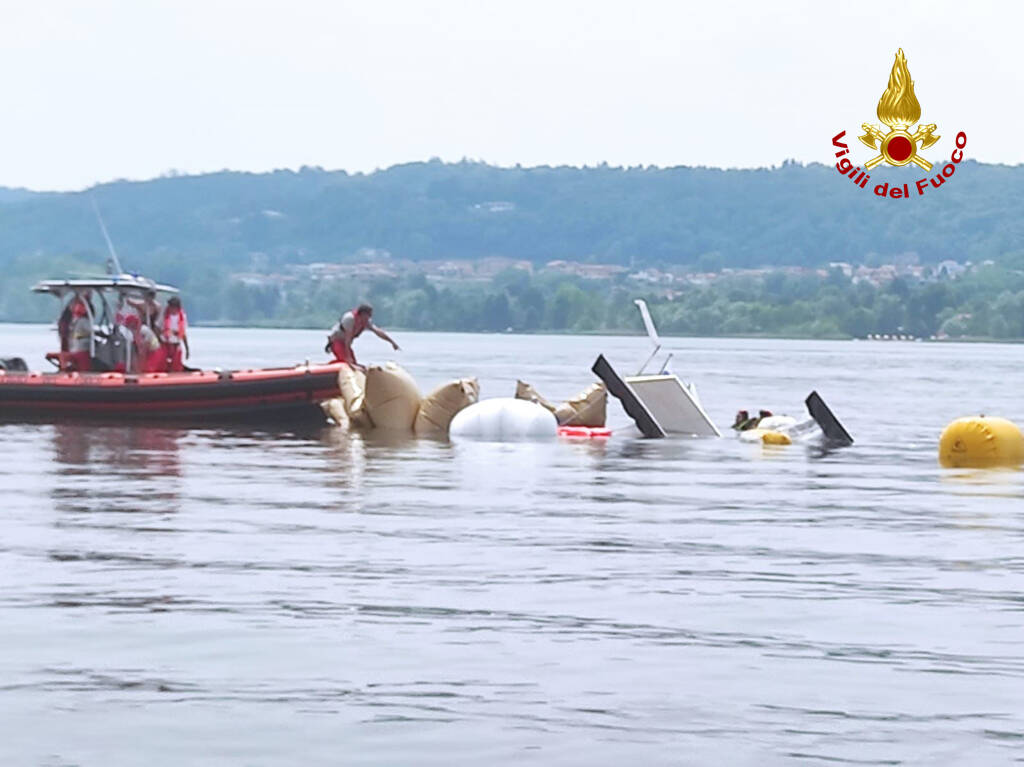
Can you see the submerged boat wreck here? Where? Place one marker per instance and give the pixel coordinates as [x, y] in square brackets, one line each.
[659, 404]
[662, 405]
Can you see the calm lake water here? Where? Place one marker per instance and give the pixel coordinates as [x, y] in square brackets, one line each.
[209, 596]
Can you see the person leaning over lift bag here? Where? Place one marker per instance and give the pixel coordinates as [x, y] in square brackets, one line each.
[348, 329]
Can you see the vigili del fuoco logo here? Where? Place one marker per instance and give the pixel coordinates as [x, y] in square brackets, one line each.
[899, 110]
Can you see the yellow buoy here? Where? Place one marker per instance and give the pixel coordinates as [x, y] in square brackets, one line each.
[981, 442]
[775, 438]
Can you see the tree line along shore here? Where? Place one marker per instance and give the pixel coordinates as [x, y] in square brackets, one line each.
[774, 252]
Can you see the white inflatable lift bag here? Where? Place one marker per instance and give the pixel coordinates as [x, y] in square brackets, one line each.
[504, 419]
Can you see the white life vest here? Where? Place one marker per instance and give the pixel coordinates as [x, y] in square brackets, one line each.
[147, 339]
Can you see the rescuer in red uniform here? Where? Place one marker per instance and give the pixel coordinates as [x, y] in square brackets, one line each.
[79, 354]
[174, 331]
[149, 354]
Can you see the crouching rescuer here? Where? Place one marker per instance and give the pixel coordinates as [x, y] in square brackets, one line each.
[348, 329]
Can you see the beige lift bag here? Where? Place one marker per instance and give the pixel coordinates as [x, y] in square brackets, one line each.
[352, 383]
[588, 408]
[439, 407]
[391, 397]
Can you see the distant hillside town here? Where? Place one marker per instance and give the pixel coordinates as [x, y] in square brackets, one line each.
[664, 282]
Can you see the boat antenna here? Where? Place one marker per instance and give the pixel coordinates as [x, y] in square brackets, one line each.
[652, 333]
[114, 263]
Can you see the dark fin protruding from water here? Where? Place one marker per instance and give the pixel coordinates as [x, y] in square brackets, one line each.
[634, 408]
[834, 431]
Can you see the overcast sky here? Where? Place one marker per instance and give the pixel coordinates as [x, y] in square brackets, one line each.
[105, 89]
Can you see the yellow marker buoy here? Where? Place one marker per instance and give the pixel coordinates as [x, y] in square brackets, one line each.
[981, 442]
[775, 438]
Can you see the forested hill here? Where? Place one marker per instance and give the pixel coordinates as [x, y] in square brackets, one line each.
[790, 215]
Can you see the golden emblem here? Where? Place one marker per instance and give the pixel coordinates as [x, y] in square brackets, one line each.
[899, 109]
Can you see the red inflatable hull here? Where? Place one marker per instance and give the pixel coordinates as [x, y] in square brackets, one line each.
[252, 395]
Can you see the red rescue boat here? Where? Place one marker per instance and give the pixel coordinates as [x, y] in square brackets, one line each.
[252, 395]
[269, 394]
